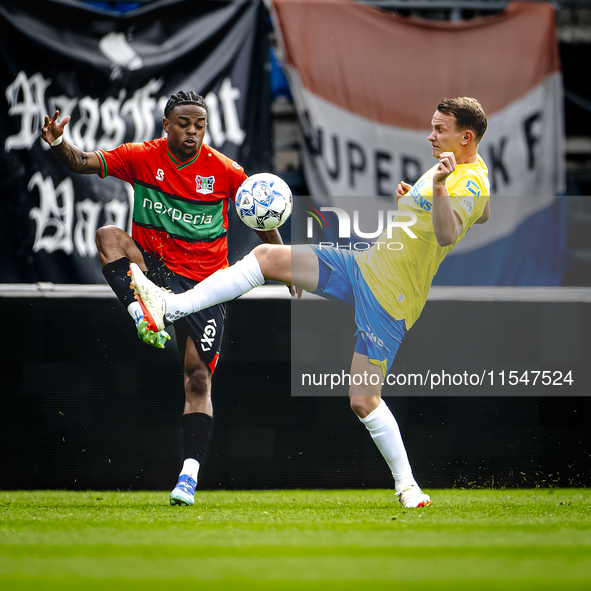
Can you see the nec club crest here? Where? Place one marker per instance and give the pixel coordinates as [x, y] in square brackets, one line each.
[204, 184]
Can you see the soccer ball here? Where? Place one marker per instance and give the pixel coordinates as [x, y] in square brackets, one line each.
[263, 201]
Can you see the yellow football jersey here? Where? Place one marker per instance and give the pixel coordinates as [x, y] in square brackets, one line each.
[399, 270]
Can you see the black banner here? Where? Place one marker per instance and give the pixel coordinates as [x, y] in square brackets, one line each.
[114, 74]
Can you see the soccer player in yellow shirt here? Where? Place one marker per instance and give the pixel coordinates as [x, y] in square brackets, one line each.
[389, 287]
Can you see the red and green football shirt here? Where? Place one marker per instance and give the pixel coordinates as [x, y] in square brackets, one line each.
[180, 212]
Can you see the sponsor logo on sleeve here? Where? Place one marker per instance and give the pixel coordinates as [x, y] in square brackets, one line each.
[467, 204]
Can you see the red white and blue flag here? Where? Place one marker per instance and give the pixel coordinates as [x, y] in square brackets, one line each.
[366, 84]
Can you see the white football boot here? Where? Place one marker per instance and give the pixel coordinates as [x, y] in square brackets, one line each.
[412, 497]
[151, 298]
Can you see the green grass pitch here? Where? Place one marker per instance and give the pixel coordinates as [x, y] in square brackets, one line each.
[468, 539]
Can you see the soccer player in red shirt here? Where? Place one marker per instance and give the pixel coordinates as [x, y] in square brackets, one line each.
[183, 189]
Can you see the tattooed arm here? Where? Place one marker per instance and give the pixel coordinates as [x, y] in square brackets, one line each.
[72, 157]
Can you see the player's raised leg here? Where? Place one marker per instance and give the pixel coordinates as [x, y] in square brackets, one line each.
[292, 265]
[296, 265]
[117, 251]
[373, 412]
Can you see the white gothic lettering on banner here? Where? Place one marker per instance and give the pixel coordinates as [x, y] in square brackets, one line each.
[61, 222]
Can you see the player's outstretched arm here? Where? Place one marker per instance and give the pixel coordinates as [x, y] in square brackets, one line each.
[72, 157]
[447, 225]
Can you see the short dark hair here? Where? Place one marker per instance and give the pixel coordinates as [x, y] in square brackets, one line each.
[468, 112]
[185, 98]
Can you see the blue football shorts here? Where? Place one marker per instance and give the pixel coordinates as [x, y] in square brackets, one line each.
[378, 334]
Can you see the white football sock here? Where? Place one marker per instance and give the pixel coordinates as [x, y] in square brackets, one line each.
[223, 285]
[136, 312]
[191, 468]
[385, 432]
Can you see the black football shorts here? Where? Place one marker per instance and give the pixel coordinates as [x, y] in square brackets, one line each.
[205, 328]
